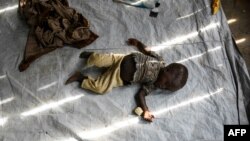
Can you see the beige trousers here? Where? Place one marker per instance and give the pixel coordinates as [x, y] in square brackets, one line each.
[109, 79]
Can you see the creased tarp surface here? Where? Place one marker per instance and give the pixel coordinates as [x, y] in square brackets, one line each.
[37, 106]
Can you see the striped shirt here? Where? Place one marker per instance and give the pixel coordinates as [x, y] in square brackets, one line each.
[147, 70]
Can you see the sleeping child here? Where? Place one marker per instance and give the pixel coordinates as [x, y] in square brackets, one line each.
[144, 67]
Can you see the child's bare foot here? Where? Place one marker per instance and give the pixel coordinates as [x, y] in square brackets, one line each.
[85, 54]
[77, 76]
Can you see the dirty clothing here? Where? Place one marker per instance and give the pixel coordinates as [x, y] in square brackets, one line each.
[147, 69]
[132, 68]
[53, 24]
[108, 80]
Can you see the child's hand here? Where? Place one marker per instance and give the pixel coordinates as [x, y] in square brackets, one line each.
[132, 42]
[148, 116]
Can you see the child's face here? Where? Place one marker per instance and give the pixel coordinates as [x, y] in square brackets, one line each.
[162, 80]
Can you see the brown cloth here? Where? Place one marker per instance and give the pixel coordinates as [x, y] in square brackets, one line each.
[53, 24]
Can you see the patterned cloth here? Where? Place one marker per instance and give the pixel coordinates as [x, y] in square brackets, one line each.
[147, 70]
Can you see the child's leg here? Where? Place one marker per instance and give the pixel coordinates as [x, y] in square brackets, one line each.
[77, 76]
[104, 83]
[85, 54]
[103, 60]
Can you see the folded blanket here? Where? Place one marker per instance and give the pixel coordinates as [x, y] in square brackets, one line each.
[53, 24]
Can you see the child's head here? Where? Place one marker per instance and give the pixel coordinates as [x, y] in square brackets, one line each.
[172, 77]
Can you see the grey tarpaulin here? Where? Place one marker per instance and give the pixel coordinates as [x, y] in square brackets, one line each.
[35, 105]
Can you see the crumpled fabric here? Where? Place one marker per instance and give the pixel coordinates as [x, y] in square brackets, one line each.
[53, 24]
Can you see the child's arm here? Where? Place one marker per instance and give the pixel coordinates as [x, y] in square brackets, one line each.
[141, 102]
[143, 48]
[140, 46]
